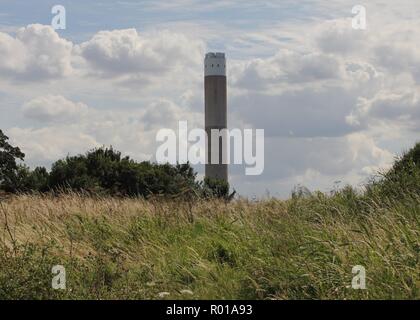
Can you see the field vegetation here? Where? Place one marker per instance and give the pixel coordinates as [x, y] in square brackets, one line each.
[159, 247]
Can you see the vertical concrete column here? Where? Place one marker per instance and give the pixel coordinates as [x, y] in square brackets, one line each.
[215, 92]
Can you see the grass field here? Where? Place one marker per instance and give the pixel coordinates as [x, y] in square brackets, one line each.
[302, 248]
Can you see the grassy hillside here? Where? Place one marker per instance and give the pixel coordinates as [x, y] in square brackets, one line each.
[303, 248]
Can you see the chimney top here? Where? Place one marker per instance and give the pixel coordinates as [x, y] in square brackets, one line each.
[215, 55]
[215, 64]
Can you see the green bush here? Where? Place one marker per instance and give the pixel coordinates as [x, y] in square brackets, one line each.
[105, 171]
[403, 179]
[216, 188]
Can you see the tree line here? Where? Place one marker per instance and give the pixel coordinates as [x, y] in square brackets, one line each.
[104, 171]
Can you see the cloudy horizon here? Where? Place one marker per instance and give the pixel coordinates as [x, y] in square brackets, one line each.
[336, 104]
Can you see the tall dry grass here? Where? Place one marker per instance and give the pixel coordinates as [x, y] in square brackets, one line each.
[302, 248]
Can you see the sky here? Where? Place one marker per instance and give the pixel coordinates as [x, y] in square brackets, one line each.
[337, 104]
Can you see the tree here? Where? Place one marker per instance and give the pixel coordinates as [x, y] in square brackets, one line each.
[35, 180]
[8, 165]
[105, 171]
[217, 188]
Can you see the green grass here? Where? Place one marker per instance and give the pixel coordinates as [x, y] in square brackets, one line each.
[302, 248]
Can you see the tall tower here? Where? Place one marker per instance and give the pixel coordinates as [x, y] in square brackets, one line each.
[215, 92]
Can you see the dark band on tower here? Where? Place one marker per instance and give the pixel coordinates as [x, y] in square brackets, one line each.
[215, 92]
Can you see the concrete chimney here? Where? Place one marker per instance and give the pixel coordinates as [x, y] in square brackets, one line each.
[215, 98]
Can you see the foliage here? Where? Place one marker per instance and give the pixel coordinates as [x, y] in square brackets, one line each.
[124, 248]
[217, 188]
[8, 166]
[104, 170]
[403, 177]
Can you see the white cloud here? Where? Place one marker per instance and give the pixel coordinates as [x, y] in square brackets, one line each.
[122, 52]
[52, 108]
[45, 145]
[338, 37]
[401, 107]
[37, 52]
[316, 163]
[72, 127]
[13, 53]
[288, 67]
[166, 114]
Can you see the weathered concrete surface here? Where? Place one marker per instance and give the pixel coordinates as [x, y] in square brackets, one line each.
[215, 91]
